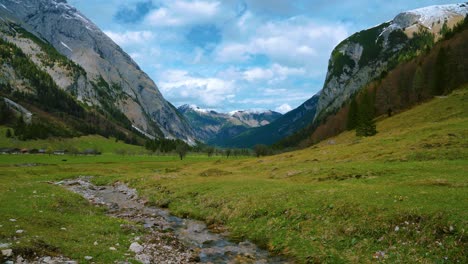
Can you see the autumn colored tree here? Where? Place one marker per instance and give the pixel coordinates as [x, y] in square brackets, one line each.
[353, 115]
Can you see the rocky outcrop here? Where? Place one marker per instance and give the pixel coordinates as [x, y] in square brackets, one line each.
[103, 61]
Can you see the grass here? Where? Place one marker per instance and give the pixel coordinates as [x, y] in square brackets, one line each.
[402, 192]
[107, 145]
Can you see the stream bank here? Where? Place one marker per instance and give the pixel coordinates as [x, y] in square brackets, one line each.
[167, 238]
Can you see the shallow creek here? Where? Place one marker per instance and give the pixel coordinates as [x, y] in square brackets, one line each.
[192, 240]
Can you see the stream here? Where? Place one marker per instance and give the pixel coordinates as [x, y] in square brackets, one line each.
[168, 239]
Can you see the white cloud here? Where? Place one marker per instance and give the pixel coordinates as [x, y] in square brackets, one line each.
[284, 108]
[297, 41]
[180, 13]
[258, 74]
[130, 37]
[273, 74]
[180, 85]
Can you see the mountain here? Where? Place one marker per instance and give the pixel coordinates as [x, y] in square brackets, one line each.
[209, 124]
[400, 63]
[276, 130]
[371, 53]
[109, 80]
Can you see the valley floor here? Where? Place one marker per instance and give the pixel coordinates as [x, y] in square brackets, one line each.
[400, 196]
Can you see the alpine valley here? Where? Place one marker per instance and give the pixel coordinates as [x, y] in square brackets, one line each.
[96, 166]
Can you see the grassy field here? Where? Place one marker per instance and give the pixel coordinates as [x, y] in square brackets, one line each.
[81, 143]
[403, 192]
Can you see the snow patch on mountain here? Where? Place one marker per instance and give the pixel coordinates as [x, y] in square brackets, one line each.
[250, 112]
[432, 14]
[66, 46]
[196, 108]
[429, 16]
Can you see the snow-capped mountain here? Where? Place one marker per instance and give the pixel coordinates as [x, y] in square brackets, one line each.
[367, 54]
[207, 123]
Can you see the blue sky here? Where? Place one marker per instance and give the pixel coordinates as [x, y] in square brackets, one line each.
[237, 54]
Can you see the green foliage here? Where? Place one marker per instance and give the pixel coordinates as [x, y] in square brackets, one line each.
[210, 151]
[8, 133]
[40, 129]
[340, 62]
[366, 125]
[262, 150]
[445, 30]
[166, 145]
[6, 115]
[441, 72]
[397, 37]
[181, 150]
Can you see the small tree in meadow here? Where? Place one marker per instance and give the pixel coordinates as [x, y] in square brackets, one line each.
[182, 150]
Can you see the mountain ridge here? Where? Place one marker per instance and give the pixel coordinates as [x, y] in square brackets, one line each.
[129, 89]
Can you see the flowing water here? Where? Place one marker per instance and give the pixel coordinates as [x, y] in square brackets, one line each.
[208, 246]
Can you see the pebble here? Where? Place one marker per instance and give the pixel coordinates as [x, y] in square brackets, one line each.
[7, 252]
[112, 248]
[12, 220]
[88, 258]
[5, 245]
[397, 228]
[136, 247]
[20, 231]
[63, 228]
[96, 243]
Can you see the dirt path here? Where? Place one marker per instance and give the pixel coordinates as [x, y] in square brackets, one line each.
[167, 239]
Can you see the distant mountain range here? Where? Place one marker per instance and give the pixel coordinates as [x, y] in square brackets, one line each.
[282, 127]
[209, 124]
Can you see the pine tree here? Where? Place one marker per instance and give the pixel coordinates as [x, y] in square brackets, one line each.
[366, 125]
[441, 73]
[8, 133]
[353, 115]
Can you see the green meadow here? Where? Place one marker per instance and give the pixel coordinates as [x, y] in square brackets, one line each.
[399, 197]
